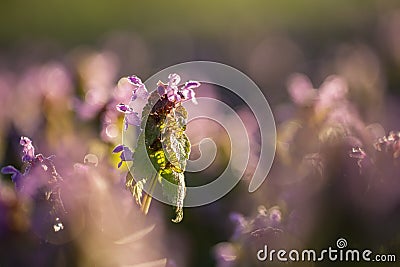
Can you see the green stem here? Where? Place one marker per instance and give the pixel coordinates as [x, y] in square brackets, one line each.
[147, 196]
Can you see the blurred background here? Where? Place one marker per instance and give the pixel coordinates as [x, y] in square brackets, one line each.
[330, 71]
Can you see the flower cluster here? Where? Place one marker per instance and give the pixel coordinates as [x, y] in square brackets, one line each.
[251, 234]
[48, 180]
[172, 90]
[176, 93]
[30, 158]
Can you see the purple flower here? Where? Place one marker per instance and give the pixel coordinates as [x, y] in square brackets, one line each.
[134, 84]
[187, 90]
[126, 154]
[172, 88]
[275, 216]
[29, 150]
[240, 224]
[15, 174]
[133, 111]
[141, 93]
[189, 94]
[118, 149]
[131, 117]
[176, 94]
[174, 80]
[124, 108]
[161, 88]
[173, 96]
[31, 160]
[191, 85]
[134, 80]
[139, 89]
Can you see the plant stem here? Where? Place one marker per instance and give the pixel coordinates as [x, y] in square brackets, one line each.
[147, 196]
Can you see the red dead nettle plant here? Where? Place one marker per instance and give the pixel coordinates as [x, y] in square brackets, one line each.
[162, 120]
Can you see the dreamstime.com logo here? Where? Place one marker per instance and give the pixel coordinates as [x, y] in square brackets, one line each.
[242, 86]
[334, 254]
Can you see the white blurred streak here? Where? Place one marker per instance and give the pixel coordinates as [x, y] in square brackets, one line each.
[135, 236]
[157, 263]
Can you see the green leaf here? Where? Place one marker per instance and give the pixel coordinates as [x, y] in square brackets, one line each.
[174, 140]
[142, 167]
[174, 194]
